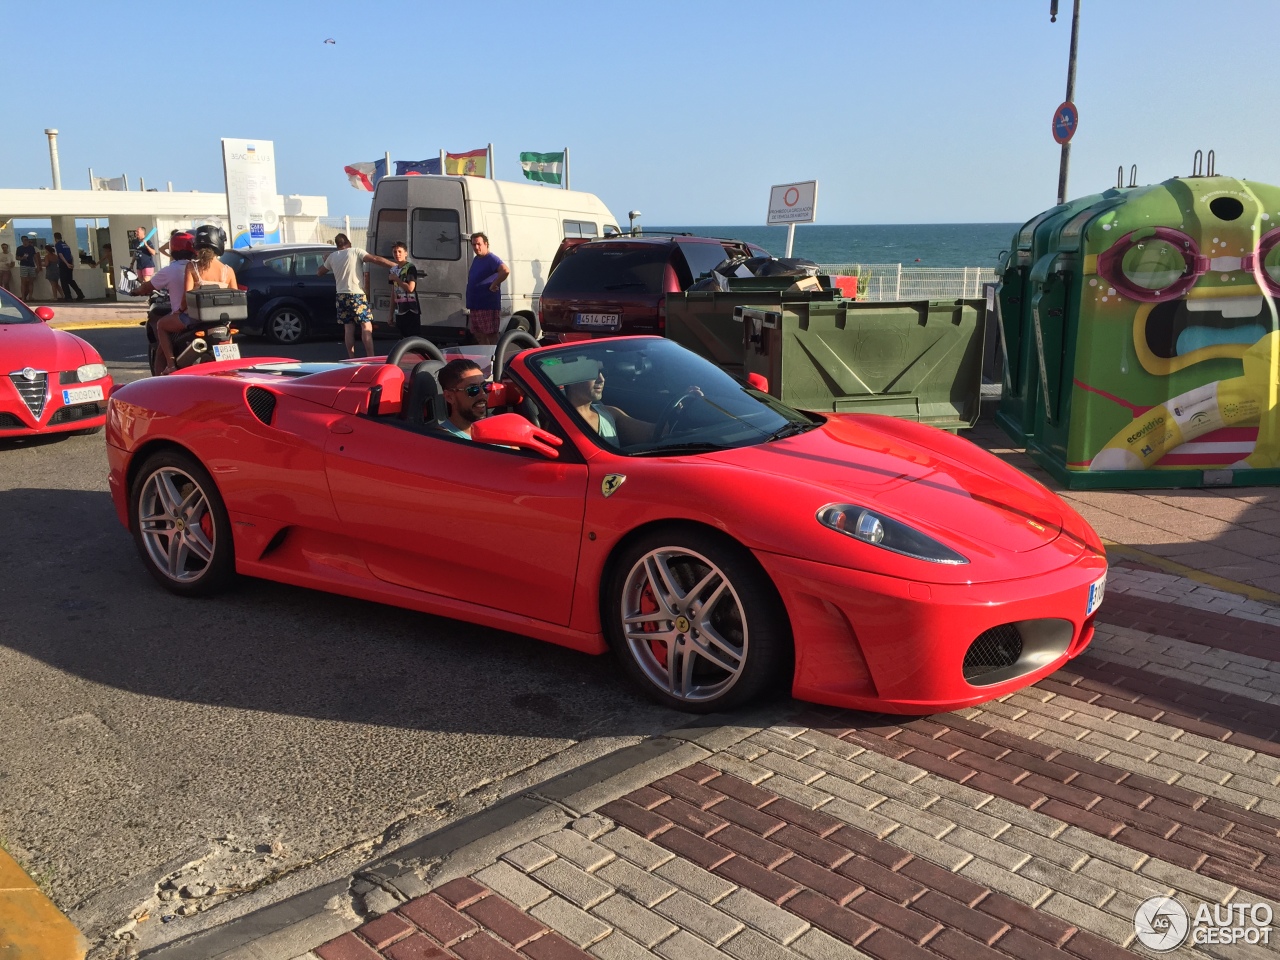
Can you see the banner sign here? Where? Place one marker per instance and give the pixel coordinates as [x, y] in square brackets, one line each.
[250, 169]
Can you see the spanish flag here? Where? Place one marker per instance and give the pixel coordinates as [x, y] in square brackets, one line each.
[474, 163]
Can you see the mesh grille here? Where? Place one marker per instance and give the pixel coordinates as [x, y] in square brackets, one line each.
[994, 649]
[9, 422]
[262, 403]
[79, 411]
[33, 392]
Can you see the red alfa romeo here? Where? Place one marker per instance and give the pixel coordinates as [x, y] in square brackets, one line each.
[623, 494]
[53, 382]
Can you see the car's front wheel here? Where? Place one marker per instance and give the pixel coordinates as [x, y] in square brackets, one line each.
[180, 525]
[696, 621]
[285, 325]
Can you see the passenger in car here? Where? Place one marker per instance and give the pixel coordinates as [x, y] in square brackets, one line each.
[462, 382]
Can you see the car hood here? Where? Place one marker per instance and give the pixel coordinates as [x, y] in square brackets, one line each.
[40, 346]
[919, 475]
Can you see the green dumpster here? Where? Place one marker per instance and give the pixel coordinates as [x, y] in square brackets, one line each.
[703, 321]
[918, 360]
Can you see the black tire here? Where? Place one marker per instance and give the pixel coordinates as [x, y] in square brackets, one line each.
[152, 351]
[725, 654]
[196, 564]
[286, 325]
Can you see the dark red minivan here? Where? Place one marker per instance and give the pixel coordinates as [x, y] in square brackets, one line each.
[618, 285]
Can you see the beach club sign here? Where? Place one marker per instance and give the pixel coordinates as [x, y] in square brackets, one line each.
[250, 168]
[793, 203]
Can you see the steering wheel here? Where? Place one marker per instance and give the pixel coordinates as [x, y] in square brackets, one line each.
[665, 425]
[419, 344]
[500, 352]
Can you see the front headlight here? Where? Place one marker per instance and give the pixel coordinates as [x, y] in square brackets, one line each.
[91, 371]
[881, 531]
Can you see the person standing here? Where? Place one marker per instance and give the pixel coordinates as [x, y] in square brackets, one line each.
[347, 266]
[66, 269]
[406, 315]
[144, 256]
[52, 273]
[484, 290]
[28, 258]
[7, 263]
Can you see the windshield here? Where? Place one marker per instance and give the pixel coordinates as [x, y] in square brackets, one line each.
[13, 310]
[645, 397]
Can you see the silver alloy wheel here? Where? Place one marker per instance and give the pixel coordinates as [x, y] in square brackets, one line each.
[171, 514]
[286, 326]
[684, 624]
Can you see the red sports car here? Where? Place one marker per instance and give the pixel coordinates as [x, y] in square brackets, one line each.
[622, 494]
[53, 382]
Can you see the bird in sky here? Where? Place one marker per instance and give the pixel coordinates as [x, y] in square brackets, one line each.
[331, 40]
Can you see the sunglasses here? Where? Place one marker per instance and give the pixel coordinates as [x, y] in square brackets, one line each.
[1165, 263]
[471, 390]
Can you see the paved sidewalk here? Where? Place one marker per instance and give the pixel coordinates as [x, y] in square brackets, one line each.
[95, 313]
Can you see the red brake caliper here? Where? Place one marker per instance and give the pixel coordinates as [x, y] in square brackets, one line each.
[206, 524]
[650, 605]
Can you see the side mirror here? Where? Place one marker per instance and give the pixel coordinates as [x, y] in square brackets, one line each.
[513, 430]
[44, 313]
[503, 394]
[758, 381]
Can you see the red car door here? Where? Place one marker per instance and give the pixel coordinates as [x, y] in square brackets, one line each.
[477, 523]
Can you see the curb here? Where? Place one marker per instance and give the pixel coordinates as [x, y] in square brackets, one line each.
[286, 930]
[1191, 573]
[98, 325]
[31, 926]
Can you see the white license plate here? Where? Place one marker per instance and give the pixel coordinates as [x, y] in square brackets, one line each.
[81, 395]
[1096, 590]
[226, 351]
[597, 321]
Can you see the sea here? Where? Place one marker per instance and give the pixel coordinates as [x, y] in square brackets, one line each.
[911, 244]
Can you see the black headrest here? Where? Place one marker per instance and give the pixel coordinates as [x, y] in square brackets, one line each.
[425, 404]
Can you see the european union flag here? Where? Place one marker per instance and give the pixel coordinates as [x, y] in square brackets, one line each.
[413, 168]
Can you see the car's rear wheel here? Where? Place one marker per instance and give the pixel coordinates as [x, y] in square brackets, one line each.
[285, 325]
[180, 525]
[695, 620]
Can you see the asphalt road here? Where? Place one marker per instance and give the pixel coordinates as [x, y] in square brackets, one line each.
[272, 737]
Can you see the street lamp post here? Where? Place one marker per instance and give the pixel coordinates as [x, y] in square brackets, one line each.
[1065, 163]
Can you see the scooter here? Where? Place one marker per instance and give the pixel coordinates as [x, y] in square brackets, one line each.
[203, 343]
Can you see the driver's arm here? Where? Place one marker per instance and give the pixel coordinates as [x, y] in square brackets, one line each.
[630, 430]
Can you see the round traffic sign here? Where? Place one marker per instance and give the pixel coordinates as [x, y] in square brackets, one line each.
[1065, 120]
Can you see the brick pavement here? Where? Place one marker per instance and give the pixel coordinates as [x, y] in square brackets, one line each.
[1028, 827]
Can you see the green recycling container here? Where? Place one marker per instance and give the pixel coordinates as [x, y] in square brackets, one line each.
[919, 360]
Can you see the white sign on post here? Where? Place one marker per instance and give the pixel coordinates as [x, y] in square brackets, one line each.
[793, 203]
[250, 169]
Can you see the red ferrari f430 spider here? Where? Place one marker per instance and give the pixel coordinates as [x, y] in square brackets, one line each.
[621, 494]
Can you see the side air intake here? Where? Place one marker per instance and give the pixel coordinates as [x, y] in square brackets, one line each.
[262, 403]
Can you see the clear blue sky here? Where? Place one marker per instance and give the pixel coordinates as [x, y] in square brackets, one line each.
[906, 111]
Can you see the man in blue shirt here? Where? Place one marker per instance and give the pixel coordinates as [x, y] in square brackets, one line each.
[66, 268]
[28, 257]
[484, 290]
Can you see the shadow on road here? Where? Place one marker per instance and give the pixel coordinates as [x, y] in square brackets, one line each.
[84, 604]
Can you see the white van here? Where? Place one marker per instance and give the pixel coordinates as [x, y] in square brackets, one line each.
[436, 215]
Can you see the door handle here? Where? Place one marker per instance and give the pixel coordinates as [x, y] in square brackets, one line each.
[340, 426]
[299, 284]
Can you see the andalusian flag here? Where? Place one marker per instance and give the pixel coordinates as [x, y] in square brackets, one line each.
[474, 163]
[545, 167]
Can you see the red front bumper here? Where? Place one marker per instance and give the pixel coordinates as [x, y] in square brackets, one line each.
[17, 419]
[869, 642]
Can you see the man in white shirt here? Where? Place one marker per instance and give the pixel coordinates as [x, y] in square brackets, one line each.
[347, 266]
[7, 263]
[172, 280]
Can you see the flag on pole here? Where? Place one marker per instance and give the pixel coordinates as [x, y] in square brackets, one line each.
[474, 163]
[365, 176]
[414, 168]
[546, 167]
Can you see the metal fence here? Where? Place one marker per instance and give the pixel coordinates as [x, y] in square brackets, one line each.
[356, 229]
[893, 281]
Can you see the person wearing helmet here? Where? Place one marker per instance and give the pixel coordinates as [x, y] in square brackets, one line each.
[205, 270]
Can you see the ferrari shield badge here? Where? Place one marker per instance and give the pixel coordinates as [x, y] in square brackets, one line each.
[611, 483]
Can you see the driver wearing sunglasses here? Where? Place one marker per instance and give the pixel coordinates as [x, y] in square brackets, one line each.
[462, 382]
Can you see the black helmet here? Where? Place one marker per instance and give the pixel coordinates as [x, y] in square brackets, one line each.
[213, 237]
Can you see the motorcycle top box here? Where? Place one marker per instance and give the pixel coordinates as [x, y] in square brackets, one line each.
[209, 306]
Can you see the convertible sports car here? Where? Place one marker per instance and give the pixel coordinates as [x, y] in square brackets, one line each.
[622, 494]
[53, 382]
